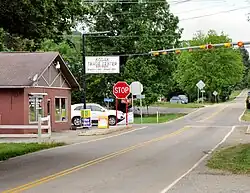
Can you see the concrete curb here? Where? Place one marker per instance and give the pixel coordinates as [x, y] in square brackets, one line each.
[104, 131]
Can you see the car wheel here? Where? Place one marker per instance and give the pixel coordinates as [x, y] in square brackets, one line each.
[112, 120]
[76, 121]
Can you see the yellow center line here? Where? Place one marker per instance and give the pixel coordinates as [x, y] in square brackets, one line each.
[92, 162]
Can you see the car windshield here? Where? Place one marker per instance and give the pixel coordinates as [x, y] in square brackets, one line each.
[182, 96]
[97, 108]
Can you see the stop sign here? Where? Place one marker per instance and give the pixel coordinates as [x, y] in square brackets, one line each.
[121, 90]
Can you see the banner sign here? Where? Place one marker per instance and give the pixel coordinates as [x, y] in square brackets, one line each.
[102, 64]
[86, 118]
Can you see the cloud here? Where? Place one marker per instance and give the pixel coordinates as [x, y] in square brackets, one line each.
[233, 23]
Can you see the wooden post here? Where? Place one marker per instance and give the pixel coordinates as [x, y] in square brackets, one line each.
[39, 130]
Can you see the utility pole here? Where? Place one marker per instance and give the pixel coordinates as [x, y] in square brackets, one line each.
[83, 64]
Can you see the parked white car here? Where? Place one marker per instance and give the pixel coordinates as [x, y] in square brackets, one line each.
[96, 111]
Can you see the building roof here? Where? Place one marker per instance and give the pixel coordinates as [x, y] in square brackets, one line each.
[18, 68]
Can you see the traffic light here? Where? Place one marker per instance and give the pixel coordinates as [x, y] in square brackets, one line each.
[209, 46]
[177, 51]
[227, 45]
[156, 53]
[240, 44]
[203, 46]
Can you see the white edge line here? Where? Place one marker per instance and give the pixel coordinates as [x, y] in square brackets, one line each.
[248, 129]
[240, 117]
[83, 142]
[169, 187]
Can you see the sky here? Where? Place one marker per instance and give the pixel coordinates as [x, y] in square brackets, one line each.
[233, 23]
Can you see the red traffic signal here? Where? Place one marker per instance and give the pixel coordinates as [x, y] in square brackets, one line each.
[240, 44]
[209, 46]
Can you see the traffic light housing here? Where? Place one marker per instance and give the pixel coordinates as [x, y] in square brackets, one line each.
[240, 44]
[203, 46]
[209, 46]
[227, 45]
[177, 51]
[156, 53]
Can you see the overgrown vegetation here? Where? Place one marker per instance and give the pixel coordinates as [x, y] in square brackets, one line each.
[8, 150]
[246, 116]
[234, 159]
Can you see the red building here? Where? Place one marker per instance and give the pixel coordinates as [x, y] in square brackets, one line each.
[33, 84]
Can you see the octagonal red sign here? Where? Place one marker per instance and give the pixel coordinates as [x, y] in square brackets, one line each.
[121, 90]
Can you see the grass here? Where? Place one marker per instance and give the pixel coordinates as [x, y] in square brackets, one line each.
[8, 150]
[153, 119]
[234, 94]
[234, 159]
[246, 116]
[169, 105]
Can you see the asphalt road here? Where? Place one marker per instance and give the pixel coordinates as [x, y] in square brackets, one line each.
[151, 159]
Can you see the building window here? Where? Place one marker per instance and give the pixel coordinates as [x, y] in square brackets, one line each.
[61, 110]
[35, 108]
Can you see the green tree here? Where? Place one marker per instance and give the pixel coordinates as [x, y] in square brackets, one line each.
[135, 28]
[245, 83]
[69, 48]
[220, 68]
[37, 20]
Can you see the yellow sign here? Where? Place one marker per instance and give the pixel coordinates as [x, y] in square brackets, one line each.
[103, 122]
[86, 113]
[86, 117]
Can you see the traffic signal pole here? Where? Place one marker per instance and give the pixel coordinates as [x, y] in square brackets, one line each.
[206, 46]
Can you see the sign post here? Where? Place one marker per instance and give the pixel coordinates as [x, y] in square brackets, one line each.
[121, 90]
[202, 91]
[200, 86]
[136, 88]
[215, 93]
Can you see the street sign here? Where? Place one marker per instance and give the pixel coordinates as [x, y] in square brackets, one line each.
[136, 88]
[200, 84]
[203, 91]
[108, 100]
[121, 90]
[215, 93]
[140, 96]
[102, 64]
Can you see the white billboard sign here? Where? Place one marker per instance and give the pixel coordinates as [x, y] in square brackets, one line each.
[102, 64]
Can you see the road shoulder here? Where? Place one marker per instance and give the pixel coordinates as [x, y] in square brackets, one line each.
[218, 181]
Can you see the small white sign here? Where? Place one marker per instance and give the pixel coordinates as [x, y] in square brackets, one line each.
[102, 64]
[200, 84]
[140, 97]
[215, 93]
[136, 88]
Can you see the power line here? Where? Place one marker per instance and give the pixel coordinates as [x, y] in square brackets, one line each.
[137, 2]
[207, 15]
